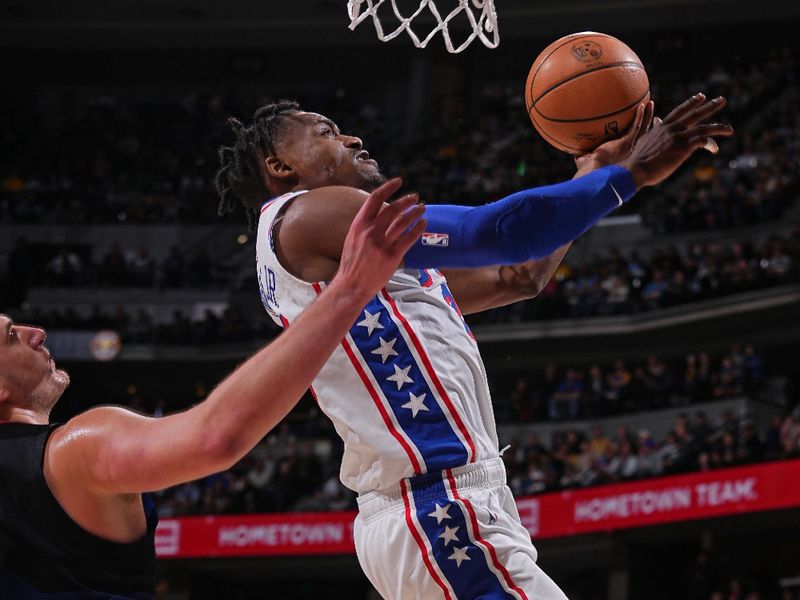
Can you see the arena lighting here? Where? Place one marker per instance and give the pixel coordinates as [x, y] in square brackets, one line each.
[105, 345]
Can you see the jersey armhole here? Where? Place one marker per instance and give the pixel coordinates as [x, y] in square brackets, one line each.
[273, 233]
[272, 239]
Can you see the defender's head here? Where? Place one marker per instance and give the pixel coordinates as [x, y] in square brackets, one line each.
[286, 149]
[30, 384]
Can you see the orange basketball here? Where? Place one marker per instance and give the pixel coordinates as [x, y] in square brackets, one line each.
[583, 90]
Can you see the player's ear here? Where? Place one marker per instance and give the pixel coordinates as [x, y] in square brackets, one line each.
[277, 168]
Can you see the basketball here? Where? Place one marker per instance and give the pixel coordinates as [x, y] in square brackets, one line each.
[583, 90]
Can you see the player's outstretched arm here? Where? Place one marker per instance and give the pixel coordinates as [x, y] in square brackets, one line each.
[112, 450]
[484, 288]
[534, 223]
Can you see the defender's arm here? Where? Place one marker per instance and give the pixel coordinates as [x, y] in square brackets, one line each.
[112, 450]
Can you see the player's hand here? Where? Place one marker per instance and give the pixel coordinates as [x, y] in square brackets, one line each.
[379, 238]
[617, 150]
[670, 142]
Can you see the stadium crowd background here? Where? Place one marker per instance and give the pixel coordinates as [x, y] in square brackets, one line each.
[727, 225]
[109, 159]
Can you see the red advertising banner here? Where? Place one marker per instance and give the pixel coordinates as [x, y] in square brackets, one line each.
[662, 500]
[256, 535]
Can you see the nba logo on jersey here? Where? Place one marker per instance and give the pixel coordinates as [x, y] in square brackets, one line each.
[435, 239]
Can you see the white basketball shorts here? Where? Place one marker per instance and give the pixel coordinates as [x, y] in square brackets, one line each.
[453, 535]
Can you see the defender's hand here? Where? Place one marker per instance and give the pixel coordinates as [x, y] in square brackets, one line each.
[669, 143]
[379, 238]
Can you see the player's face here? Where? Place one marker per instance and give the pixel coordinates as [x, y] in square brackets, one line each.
[28, 375]
[321, 155]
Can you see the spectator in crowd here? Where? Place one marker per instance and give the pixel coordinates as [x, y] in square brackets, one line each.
[599, 445]
[617, 380]
[750, 448]
[65, 267]
[648, 458]
[624, 464]
[596, 392]
[565, 401]
[573, 393]
[754, 374]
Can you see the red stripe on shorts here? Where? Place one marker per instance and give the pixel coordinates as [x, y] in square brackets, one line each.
[492, 552]
[418, 538]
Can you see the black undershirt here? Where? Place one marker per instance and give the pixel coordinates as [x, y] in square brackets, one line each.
[44, 554]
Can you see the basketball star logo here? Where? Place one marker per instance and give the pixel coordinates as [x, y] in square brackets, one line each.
[587, 51]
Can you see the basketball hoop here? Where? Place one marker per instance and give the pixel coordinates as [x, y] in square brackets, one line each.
[479, 14]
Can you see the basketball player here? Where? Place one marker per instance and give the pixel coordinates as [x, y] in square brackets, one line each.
[406, 389]
[73, 523]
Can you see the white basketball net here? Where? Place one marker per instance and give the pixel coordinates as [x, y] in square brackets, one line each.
[479, 14]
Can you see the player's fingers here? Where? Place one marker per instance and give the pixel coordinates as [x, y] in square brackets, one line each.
[647, 123]
[703, 136]
[702, 112]
[377, 198]
[403, 222]
[635, 130]
[711, 145]
[685, 107]
[391, 211]
[657, 121]
[703, 143]
[405, 241]
[710, 130]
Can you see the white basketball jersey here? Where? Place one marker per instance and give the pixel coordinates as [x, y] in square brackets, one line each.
[406, 389]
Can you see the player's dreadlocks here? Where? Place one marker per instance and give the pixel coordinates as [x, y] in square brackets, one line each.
[240, 180]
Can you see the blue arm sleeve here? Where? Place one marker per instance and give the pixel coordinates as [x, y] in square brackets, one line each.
[524, 226]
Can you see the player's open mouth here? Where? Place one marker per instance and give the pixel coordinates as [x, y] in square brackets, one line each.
[363, 156]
